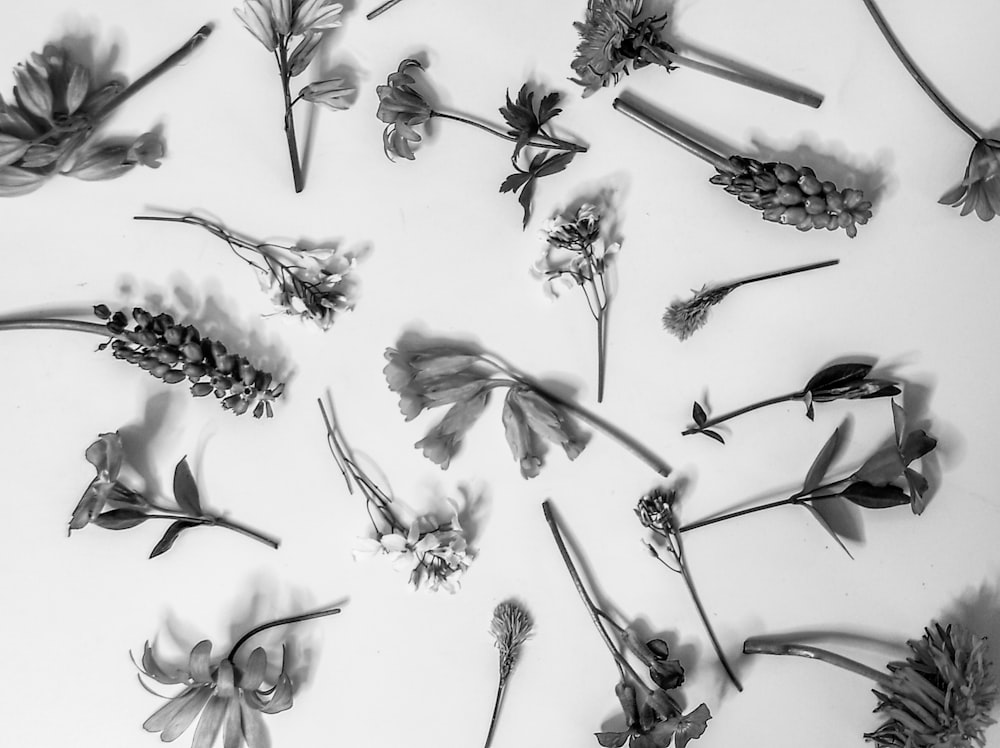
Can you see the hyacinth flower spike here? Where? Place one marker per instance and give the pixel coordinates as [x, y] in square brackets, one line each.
[784, 194]
[941, 695]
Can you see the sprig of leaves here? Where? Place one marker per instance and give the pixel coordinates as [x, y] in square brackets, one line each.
[525, 180]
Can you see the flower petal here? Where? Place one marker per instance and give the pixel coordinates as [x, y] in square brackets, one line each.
[199, 663]
[159, 719]
[253, 727]
[232, 729]
[252, 675]
[209, 724]
[185, 715]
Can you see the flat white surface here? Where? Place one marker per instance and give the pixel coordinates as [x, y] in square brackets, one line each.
[446, 255]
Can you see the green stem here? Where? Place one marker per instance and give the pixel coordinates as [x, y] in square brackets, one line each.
[496, 707]
[280, 622]
[293, 150]
[552, 144]
[746, 409]
[782, 273]
[601, 355]
[797, 498]
[762, 646]
[388, 4]
[220, 522]
[57, 324]
[914, 71]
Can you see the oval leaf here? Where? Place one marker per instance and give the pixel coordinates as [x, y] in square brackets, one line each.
[167, 541]
[698, 414]
[185, 489]
[875, 497]
[120, 519]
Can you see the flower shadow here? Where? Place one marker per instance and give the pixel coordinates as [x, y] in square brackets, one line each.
[138, 439]
[349, 74]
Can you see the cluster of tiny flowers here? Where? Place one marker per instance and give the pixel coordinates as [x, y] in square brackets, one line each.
[310, 283]
[575, 251]
[435, 555]
[174, 353]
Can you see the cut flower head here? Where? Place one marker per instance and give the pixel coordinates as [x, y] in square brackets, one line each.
[980, 189]
[402, 108]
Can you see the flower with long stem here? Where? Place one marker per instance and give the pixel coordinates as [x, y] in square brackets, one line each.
[979, 190]
[847, 381]
[49, 126]
[230, 695]
[427, 376]
[434, 553]
[941, 695]
[538, 152]
[173, 353]
[312, 284]
[652, 716]
[684, 318]
[127, 508]
[782, 193]
[511, 626]
[615, 36]
[577, 254]
[276, 24]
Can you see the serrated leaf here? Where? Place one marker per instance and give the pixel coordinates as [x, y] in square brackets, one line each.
[167, 541]
[817, 471]
[514, 182]
[875, 497]
[547, 109]
[698, 414]
[837, 375]
[185, 489]
[554, 165]
[119, 519]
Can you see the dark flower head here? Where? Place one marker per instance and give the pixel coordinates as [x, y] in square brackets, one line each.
[980, 189]
[656, 510]
[684, 318]
[401, 107]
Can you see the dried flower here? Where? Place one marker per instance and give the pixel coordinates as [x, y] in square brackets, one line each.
[49, 127]
[510, 627]
[128, 508]
[848, 381]
[276, 24]
[578, 254]
[940, 696]
[227, 695]
[434, 553]
[402, 107]
[615, 37]
[315, 285]
[653, 718]
[684, 318]
[430, 376]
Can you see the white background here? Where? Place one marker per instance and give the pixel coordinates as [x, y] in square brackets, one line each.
[446, 255]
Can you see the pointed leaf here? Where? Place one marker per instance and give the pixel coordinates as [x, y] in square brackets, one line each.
[555, 164]
[527, 193]
[167, 541]
[713, 435]
[547, 108]
[119, 519]
[514, 182]
[817, 472]
[185, 489]
[698, 414]
[875, 497]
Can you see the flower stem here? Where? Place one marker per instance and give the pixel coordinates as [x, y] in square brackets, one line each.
[746, 409]
[784, 90]
[602, 333]
[912, 69]
[660, 128]
[220, 522]
[796, 498]
[212, 228]
[189, 46]
[496, 705]
[280, 622]
[387, 5]
[552, 144]
[761, 646]
[38, 323]
[293, 150]
[781, 273]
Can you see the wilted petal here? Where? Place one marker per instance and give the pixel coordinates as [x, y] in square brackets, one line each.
[152, 668]
[519, 437]
[232, 728]
[11, 148]
[281, 699]
[146, 150]
[315, 15]
[32, 91]
[106, 162]
[15, 181]
[77, 87]
[106, 455]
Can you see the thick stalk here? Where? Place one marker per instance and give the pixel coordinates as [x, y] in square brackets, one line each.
[389, 4]
[746, 409]
[280, 622]
[551, 143]
[220, 522]
[189, 46]
[784, 90]
[914, 71]
[782, 273]
[293, 148]
[761, 646]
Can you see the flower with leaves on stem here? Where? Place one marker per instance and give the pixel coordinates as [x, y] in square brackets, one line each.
[49, 126]
[313, 284]
[277, 24]
[537, 151]
[173, 353]
[979, 189]
[941, 695]
[433, 375]
[435, 554]
[884, 480]
[847, 381]
[653, 717]
[127, 508]
[684, 318]
[615, 36]
[230, 696]
[577, 253]
[511, 626]
[781, 192]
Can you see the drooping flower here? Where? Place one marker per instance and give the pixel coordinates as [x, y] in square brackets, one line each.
[980, 189]
[334, 93]
[402, 108]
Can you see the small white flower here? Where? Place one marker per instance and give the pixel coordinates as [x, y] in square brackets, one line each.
[310, 283]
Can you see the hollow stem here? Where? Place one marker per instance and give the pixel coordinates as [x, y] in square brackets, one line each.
[293, 150]
[776, 88]
[914, 71]
[782, 273]
[141, 82]
[550, 142]
[387, 5]
[746, 409]
[762, 646]
[220, 522]
[279, 622]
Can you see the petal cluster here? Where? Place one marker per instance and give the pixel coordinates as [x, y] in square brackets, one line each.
[314, 284]
[402, 108]
[576, 250]
[979, 191]
[273, 21]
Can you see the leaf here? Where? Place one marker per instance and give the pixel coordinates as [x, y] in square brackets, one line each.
[167, 541]
[547, 109]
[822, 463]
[837, 375]
[698, 414]
[612, 739]
[875, 497]
[918, 487]
[915, 445]
[515, 181]
[527, 193]
[898, 421]
[185, 489]
[713, 435]
[119, 519]
[555, 164]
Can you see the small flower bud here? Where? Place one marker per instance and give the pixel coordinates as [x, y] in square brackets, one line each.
[174, 376]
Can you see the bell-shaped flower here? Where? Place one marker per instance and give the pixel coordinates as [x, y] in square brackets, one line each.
[980, 189]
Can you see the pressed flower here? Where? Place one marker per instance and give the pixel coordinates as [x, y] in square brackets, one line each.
[173, 353]
[315, 285]
[230, 696]
[128, 508]
[291, 30]
[48, 128]
[941, 695]
[434, 553]
[511, 626]
[616, 36]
